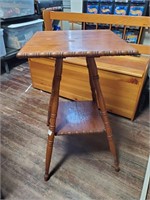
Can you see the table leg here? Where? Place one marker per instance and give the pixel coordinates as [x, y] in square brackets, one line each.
[91, 82]
[95, 77]
[52, 113]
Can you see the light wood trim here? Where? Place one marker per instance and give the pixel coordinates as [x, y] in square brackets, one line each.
[114, 66]
[143, 49]
[139, 92]
[47, 20]
[124, 32]
[96, 26]
[140, 34]
[99, 18]
[83, 25]
[72, 25]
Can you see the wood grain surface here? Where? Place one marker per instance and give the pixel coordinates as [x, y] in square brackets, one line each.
[72, 19]
[81, 165]
[75, 43]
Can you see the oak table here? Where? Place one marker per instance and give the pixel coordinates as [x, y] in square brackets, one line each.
[77, 117]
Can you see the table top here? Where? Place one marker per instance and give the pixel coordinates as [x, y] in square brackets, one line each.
[73, 43]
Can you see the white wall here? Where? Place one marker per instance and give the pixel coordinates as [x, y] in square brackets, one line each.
[76, 5]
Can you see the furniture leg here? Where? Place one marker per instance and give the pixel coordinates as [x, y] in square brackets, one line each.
[52, 114]
[55, 86]
[49, 149]
[91, 82]
[101, 102]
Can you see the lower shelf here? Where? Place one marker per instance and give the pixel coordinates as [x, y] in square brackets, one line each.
[78, 117]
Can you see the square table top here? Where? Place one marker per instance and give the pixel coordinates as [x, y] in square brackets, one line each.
[73, 43]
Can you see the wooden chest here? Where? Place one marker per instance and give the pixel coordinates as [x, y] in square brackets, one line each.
[121, 82]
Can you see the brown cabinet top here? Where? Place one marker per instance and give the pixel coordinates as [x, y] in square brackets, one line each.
[74, 43]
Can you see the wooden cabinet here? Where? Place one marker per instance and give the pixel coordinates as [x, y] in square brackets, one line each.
[121, 82]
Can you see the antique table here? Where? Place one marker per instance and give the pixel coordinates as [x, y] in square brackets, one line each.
[76, 117]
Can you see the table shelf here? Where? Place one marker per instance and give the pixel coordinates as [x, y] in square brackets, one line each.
[76, 117]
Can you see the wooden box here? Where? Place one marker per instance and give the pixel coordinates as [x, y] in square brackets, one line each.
[121, 82]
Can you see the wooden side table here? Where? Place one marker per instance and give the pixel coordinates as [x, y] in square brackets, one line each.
[77, 117]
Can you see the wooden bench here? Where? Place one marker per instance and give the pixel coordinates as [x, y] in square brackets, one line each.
[122, 78]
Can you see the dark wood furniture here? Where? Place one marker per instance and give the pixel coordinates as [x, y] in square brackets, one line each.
[77, 117]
